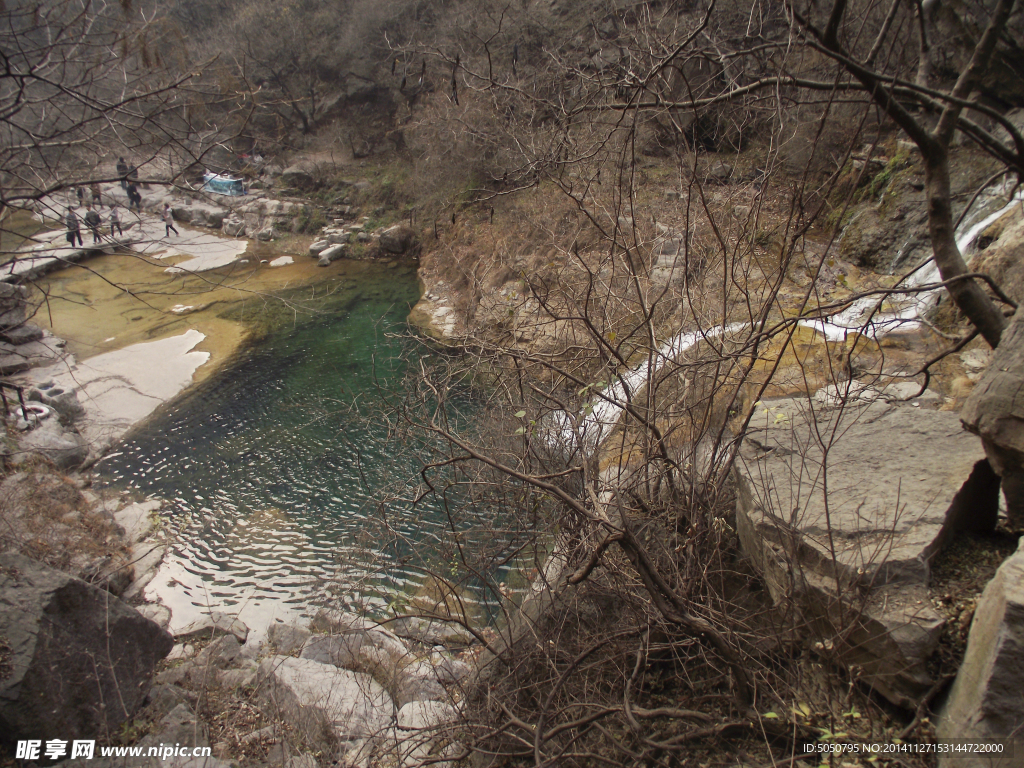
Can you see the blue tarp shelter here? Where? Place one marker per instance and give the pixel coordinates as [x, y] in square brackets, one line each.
[222, 185]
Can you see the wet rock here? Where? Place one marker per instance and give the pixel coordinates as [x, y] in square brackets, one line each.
[315, 696]
[81, 661]
[985, 701]
[214, 624]
[901, 482]
[331, 254]
[266, 233]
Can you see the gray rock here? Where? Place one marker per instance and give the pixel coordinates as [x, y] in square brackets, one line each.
[13, 305]
[137, 520]
[421, 732]
[22, 334]
[338, 238]
[287, 638]
[340, 650]
[220, 653]
[162, 700]
[986, 702]
[318, 247]
[33, 354]
[301, 761]
[66, 450]
[266, 233]
[179, 727]
[417, 682]
[233, 227]
[333, 253]
[995, 412]
[81, 660]
[243, 677]
[214, 624]
[310, 695]
[148, 557]
[718, 170]
[900, 482]
[398, 239]
[436, 632]
[299, 176]
[159, 613]
[64, 402]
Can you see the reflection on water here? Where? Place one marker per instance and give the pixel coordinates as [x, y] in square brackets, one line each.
[272, 470]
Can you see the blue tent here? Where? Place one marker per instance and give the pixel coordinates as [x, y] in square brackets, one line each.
[222, 185]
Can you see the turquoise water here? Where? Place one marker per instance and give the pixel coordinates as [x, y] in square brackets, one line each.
[274, 468]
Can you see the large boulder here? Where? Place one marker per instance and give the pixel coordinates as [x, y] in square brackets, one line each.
[398, 239]
[300, 176]
[986, 701]
[66, 450]
[847, 535]
[995, 412]
[328, 255]
[80, 661]
[324, 700]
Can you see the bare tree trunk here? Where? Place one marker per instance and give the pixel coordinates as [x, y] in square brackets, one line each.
[968, 295]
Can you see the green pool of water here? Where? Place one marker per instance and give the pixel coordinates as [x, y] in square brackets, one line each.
[274, 468]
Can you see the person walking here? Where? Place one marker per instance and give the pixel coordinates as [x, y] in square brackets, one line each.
[92, 218]
[168, 218]
[74, 231]
[96, 192]
[80, 192]
[115, 220]
[122, 171]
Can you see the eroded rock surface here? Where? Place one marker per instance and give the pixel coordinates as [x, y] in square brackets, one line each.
[986, 700]
[855, 501]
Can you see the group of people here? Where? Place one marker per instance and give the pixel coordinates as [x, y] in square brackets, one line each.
[93, 220]
[129, 177]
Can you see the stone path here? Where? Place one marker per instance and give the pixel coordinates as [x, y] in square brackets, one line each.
[192, 250]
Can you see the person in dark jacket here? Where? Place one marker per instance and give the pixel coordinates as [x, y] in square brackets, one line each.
[74, 231]
[122, 171]
[134, 198]
[92, 218]
[96, 193]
